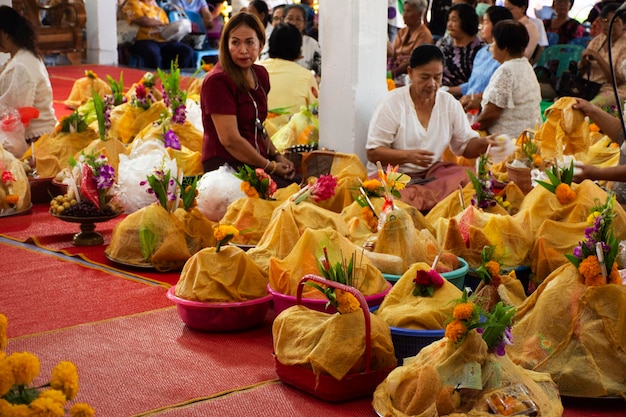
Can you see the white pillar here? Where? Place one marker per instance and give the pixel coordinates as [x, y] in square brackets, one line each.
[101, 31]
[353, 36]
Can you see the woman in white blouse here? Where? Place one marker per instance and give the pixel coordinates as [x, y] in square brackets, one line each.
[511, 101]
[24, 79]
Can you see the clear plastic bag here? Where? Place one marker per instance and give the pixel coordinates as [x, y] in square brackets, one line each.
[12, 132]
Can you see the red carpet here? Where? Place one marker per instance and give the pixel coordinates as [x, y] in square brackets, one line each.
[46, 231]
[42, 293]
[134, 364]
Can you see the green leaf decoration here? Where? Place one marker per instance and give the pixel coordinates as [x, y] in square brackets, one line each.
[148, 241]
[98, 105]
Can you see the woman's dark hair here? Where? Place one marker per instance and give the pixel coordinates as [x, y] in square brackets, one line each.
[425, 54]
[467, 15]
[611, 8]
[19, 29]
[261, 7]
[498, 13]
[519, 3]
[225, 60]
[511, 35]
[285, 42]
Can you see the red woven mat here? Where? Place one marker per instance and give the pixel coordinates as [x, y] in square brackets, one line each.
[138, 363]
[41, 292]
[46, 231]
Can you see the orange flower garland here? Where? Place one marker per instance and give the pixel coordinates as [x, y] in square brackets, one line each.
[455, 330]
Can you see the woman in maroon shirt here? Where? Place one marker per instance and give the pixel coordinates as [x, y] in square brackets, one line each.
[234, 104]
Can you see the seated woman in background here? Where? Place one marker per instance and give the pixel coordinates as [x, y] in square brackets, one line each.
[259, 9]
[562, 24]
[234, 105]
[197, 6]
[511, 101]
[595, 59]
[24, 81]
[412, 35]
[518, 9]
[155, 51]
[485, 65]
[460, 45]
[415, 124]
[311, 50]
[292, 85]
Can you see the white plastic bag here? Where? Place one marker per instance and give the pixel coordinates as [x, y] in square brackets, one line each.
[12, 132]
[216, 191]
[176, 30]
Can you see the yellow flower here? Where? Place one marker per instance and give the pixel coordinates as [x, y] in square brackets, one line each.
[594, 127]
[5, 406]
[222, 231]
[346, 302]
[82, 410]
[372, 185]
[65, 378]
[6, 377]
[55, 395]
[391, 84]
[370, 219]
[4, 322]
[455, 330]
[463, 311]
[91, 74]
[25, 367]
[591, 219]
[46, 407]
[21, 410]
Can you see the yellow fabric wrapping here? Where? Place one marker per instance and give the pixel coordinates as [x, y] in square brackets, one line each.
[285, 274]
[111, 148]
[83, 89]
[451, 205]
[574, 332]
[127, 120]
[53, 151]
[189, 162]
[398, 236]
[508, 233]
[188, 135]
[543, 205]
[224, 276]
[170, 249]
[20, 187]
[401, 308]
[251, 215]
[419, 220]
[198, 229]
[564, 129]
[287, 224]
[425, 385]
[330, 344]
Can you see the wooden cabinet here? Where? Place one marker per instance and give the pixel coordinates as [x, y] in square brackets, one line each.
[60, 26]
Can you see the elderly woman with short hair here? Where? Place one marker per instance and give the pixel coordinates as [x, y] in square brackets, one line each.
[511, 101]
[412, 35]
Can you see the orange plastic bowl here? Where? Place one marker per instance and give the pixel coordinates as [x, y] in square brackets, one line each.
[221, 317]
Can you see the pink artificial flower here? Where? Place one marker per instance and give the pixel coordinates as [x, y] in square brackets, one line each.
[324, 187]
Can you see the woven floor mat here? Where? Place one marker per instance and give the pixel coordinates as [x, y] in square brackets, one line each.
[133, 364]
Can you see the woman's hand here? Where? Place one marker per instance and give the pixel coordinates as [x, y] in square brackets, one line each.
[420, 157]
[471, 102]
[284, 167]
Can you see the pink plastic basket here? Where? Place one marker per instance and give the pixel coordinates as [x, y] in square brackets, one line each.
[284, 301]
[326, 387]
[221, 317]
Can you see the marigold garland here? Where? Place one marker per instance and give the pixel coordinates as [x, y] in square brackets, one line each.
[65, 379]
[25, 367]
[370, 219]
[463, 311]
[455, 331]
[346, 302]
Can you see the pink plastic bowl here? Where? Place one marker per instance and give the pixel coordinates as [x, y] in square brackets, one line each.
[284, 301]
[221, 317]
